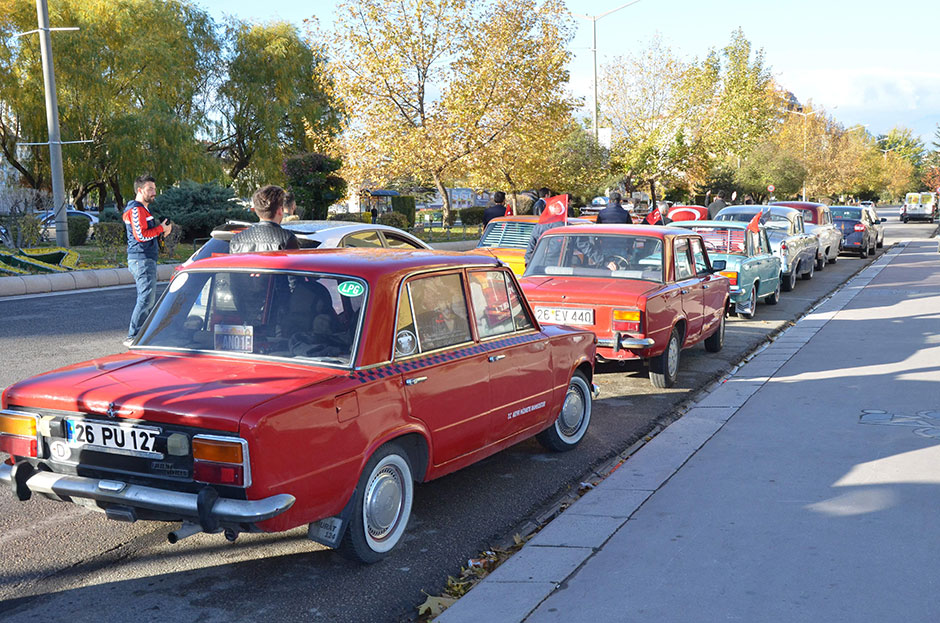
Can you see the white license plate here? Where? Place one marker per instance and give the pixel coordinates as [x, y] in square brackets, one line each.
[558, 315]
[130, 439]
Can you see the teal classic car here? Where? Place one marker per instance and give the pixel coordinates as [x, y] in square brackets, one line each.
[750, 265]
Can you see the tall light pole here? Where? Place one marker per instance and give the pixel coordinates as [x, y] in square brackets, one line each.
[594, 19]
[804, 115]
[52, 123]
[884, 152]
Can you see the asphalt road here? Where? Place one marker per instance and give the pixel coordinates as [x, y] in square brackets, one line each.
[60, 562]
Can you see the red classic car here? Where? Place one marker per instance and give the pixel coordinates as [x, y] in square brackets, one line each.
[646, 292]
[273, 390]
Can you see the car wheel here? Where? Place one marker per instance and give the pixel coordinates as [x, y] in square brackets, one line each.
[880, 244]
[789, 281]
[809, 274]
[774, 297]
[572, 423]
[751, 308]
[716, 341]
[381, 506]
[904, 219]
[863, 252]
[821, 261]
[834, 258]
[664, 368]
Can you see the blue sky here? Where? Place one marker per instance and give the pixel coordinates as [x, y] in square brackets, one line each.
[865, 61]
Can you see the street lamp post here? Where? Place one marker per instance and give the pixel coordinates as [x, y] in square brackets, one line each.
[804, 115]
[594, 19]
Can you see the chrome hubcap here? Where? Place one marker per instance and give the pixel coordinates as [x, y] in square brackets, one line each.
[572, 413]
[673, 359]
[383, 502]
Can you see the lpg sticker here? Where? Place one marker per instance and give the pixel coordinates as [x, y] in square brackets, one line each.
[350, 288]
[525, 410]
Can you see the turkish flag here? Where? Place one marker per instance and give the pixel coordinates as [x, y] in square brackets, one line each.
[508, 210]
[754, 225]
[556, 210]
[654, 216]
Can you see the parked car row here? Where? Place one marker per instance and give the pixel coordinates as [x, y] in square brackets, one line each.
[269, 391]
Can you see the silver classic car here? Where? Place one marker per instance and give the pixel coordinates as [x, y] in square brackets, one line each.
[817, 218]
[796, 248]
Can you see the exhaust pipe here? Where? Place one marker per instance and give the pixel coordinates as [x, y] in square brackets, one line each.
[187, 529]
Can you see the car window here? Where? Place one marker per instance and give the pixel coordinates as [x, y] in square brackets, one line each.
[764, 242]
[362, 239]
[396, 241]
[434, 312]
[619, 256]
[302, 316]
[698, 256]
[683, 261]
[520, 316]
[809, 214]
[489, 299]
[753, 241]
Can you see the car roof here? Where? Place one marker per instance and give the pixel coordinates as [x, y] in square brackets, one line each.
[655, 231]
[717, 224]
[358, 261]
[799, 205]
[310, 228]
[755, 208]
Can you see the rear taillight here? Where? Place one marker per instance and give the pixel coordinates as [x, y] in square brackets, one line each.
[859, 227]
[626, 320]
[19, 433]
[783, 247]
[731, 275]
[221, 460]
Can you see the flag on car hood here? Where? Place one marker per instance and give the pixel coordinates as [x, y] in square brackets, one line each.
[556, 210]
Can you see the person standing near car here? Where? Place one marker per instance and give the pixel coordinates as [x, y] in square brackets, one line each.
[290, 208]
[267, 234]
[143, 235]
[614, 212]
[715, 206]
[497, 209]
[539, 205]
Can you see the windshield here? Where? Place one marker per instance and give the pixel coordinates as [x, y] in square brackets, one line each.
[301, 316]
[769, 219]
[617, 256]
[850, 213]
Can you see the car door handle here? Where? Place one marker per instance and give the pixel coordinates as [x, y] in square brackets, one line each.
[416, 380]
[496, 357]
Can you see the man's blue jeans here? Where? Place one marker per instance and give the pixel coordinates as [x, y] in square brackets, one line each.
[145, 276]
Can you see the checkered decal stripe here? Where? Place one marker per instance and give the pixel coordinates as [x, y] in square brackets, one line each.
[413, 365]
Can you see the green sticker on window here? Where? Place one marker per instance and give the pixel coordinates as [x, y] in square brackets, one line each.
[350, 288]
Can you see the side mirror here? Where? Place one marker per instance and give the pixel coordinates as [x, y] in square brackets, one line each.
[884, 220]
[718, 265]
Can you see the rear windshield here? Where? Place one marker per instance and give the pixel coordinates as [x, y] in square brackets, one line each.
[851, 213]
[620, 256]
[507, 234]
[809, 215]
[730, 241]
[300, 316]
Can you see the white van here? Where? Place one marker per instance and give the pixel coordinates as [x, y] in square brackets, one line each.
[919, 206]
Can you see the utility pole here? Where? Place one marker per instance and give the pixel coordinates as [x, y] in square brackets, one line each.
[52, 122]
[594, 19]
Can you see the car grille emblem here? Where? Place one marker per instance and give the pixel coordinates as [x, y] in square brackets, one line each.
[112, 411]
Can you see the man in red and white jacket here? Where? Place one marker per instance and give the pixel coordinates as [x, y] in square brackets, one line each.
[143, 235]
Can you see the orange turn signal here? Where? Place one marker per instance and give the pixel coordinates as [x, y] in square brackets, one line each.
[731, 275]
[217, 450]
[22, 425]
[627, 315]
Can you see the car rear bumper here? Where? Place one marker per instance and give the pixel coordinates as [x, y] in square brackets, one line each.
[203, 508]
[620, 342]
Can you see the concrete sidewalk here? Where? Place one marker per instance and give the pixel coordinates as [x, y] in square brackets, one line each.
[802, 488]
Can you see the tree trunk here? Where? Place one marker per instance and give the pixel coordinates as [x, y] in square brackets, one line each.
[445, 198]
[512, 191]
[116, 191]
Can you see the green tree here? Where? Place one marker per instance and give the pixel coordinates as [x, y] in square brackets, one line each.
[133, 80]
[273, 102]
[314, 183]
[902, 142]
[430, 83]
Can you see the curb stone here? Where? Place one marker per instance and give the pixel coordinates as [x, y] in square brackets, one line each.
[18, 285]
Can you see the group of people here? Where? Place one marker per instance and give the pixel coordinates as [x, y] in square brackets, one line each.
[272, 204]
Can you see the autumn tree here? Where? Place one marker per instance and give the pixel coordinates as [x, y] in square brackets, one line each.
[429, 84]
[273, 101]
[133, 81]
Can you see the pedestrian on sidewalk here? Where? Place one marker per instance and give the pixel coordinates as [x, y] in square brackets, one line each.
[143, 236]
[267, 234]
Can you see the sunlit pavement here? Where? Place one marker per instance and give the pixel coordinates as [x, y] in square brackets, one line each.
[803, 487]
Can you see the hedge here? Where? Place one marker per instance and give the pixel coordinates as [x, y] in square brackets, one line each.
[405, 205]
[78, 230]
[394, 219]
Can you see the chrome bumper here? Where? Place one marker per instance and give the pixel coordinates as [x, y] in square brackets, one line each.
[184, 505]
[618, 342]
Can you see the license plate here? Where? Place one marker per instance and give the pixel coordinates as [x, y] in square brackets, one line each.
[558, 315]
[130, 439]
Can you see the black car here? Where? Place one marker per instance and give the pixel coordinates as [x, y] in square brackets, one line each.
[859, 228]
